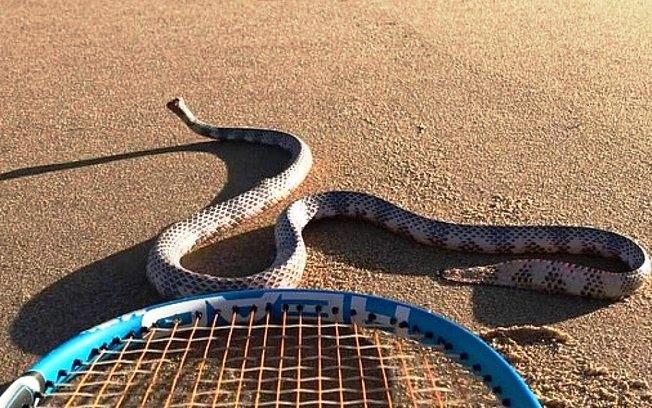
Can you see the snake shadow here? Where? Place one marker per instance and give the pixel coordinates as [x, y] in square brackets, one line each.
[370, 247]
[117, 284]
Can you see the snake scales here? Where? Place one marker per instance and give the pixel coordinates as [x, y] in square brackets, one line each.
[171, 279]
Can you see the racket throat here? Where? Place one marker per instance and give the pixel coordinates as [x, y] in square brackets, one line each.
[26, 391]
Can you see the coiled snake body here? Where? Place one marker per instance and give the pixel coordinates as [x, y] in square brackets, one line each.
[171, 279]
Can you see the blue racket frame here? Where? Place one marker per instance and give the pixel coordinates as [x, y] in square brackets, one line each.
[399, 318]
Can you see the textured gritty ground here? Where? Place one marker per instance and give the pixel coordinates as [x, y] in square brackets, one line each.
[506, 113]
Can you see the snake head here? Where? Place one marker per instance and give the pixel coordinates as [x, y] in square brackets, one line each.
[178, 106]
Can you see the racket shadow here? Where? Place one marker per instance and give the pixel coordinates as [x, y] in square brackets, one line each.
[116, 284]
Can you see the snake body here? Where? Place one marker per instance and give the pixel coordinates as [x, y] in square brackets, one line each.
[171, 279]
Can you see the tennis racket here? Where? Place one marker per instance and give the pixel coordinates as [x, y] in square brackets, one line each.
[273, 348]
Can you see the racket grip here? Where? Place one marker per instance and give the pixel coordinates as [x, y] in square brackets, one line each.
[23, 392]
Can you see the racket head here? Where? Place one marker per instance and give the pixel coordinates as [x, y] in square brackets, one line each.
[400, 319]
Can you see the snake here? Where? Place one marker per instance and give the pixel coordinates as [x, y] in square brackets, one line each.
[171, 279]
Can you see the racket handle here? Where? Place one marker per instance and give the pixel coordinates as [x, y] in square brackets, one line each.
[23, 392]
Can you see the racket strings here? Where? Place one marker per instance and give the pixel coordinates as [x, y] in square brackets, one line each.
[297, 362]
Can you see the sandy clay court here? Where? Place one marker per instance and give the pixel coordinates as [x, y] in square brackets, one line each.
[503, 113]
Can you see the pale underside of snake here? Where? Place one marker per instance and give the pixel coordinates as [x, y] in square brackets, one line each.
[171, 279]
